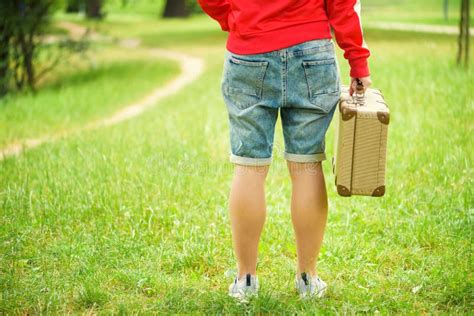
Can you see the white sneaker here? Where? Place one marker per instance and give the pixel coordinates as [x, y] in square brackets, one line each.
[244, 287]
[308, 286]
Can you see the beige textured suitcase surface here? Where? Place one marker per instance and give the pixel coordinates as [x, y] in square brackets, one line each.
[361, 143]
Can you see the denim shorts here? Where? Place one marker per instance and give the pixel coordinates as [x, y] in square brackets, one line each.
[301, 82]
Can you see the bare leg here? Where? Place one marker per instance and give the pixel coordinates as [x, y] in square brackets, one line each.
[247, 215]
[309, 208]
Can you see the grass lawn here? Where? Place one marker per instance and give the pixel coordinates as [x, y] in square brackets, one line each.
[419, 11]
[113, 78]
[133, 218]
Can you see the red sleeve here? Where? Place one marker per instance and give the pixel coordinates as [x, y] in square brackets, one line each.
[218, 10]
[344, 18]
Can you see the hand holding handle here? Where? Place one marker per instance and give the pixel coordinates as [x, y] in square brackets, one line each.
[359, 83]
[359, 87]
[358, 97]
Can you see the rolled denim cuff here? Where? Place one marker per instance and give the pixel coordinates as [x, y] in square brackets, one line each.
[246, 161]
[305, 158]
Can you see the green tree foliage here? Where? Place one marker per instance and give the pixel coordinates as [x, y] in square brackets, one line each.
[22, 29]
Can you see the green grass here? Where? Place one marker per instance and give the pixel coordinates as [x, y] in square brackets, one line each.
[133, 218]
[74, 98]
[419, 11]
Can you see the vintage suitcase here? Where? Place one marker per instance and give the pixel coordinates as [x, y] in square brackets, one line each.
[361, 143]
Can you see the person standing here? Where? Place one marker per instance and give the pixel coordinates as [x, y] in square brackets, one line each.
[280, 59]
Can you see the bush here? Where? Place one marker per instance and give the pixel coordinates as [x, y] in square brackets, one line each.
[22, 30]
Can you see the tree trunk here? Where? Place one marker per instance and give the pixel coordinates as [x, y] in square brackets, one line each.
[94, 9]
[445, 9]
[175, 8]
[73, 6]
[4, 59]
[27, 47]
[463, 40]
[466, 48]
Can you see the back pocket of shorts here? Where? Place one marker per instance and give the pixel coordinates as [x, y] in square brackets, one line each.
[322, 78]
[243, 81]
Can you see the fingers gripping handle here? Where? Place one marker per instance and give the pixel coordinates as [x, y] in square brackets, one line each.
[358, 96]
[359, 86]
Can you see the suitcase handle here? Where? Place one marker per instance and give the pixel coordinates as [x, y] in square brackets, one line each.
[358, 96]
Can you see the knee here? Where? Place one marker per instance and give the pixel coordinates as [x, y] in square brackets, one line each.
[252, 173]
[303, 170]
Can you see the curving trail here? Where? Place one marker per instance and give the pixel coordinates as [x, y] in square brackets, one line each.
[191, 68]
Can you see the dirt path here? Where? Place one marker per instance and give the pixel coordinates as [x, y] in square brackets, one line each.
[190, 69]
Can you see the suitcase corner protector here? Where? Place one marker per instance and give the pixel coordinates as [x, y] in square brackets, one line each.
[343, 191]
[380, 191]
[347, 112]
[383, 117]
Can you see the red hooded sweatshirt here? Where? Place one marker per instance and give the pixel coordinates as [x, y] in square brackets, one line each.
[259, 26]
